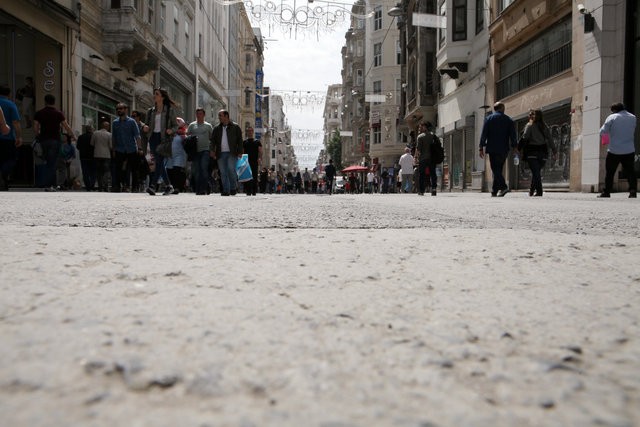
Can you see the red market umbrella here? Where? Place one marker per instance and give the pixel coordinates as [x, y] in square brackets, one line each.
[355, 168]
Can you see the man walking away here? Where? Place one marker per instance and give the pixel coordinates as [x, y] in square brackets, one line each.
[253, 148]
[102, 147]
[406, 166]
[498, 137]
[87, 161]
[426, 166]
[47, 124]
[330, 174]
[620, 126]
[10, 137]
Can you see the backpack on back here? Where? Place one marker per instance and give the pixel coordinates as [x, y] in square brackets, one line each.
[437, 151]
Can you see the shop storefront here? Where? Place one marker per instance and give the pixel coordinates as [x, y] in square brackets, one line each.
[31, 65]
[556, 173]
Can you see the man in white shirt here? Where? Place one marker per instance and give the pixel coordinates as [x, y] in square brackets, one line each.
[621, 127]
[406, 169]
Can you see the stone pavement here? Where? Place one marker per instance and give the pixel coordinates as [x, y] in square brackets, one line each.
[332, 311]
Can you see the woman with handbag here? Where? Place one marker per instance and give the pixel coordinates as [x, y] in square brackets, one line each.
[161, 119]
[534, 148]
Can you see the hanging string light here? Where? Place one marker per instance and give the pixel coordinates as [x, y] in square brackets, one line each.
[294, 18]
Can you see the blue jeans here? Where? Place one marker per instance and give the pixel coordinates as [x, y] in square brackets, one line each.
[227, 166]
[200, 170]
[50, 151]
[161, 170]
[496, 160]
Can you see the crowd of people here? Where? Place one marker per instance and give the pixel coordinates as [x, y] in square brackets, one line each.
[159, 152]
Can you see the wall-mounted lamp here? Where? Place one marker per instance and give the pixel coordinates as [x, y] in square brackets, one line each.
[395, 11]
[589, 20]
[94, 56]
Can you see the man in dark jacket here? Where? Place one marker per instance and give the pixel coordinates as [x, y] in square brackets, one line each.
[253, 149]
[330, 174]
[226, 147]
[498, 137]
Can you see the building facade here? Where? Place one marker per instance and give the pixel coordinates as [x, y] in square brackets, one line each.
[383, 86]
[462, 53]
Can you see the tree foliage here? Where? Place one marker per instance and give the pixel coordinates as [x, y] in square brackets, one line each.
[334, 150]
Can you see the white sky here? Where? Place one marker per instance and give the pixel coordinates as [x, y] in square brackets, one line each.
[306, 63]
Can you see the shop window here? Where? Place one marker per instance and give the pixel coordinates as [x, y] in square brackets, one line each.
[115, 4]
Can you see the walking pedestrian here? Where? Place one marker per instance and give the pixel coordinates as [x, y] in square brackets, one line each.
[143, 165]
[102, 147]
[426, 165]
[534, 148]
[47, 122]
[126, 144]
[330, 174]
[314, 181]
[406, 169]
[177, 163]
[87, 161]
[161, 119]
[10, 137]
[226, 148]
[253, 149]
[306, 180]
[200, 163]
[498, 137]
[620, 127]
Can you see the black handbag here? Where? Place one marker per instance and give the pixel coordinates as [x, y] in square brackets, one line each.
[190, 144]
[164, 148]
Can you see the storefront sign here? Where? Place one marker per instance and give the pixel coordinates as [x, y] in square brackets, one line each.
[48, 84]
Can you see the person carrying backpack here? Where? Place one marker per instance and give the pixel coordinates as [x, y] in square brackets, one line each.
[427, 154]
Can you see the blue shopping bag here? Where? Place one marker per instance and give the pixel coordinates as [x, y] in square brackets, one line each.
[243, 169]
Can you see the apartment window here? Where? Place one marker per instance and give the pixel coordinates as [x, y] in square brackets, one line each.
[377, 18]
[377, 89]
[503, 4]
[542, 58]
[359, 77]
[200, 45]
[377, 135]
[360, 24]
[163, 17]
[398, 53]
[176, 27]
[479, 16]
[247, 98]
[150, 11]
[187, 40]
[201, 4]
[377, 54]
[459, 20]
[248, 60]
[442, 39]
[115, 4]
[135, 5]
[359, 48]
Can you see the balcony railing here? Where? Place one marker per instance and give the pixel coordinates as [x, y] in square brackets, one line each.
[541, 69]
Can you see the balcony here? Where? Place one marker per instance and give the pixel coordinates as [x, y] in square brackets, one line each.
[130, 40]
[541, 69]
